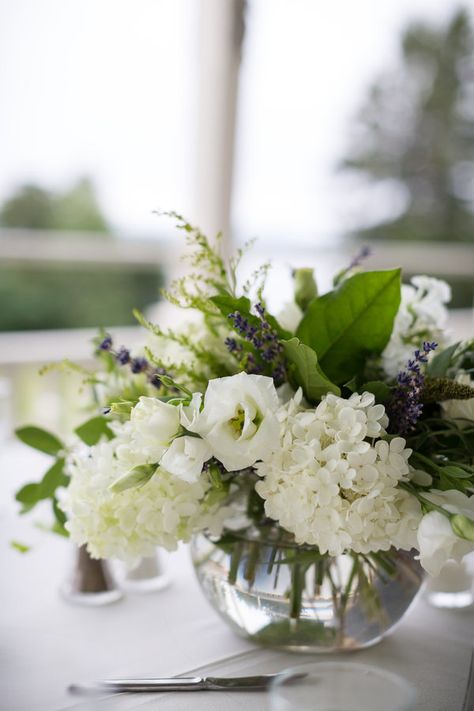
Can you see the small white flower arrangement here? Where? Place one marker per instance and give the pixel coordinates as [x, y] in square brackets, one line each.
[349, 422]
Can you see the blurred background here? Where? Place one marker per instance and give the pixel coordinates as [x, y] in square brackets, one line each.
[314, 127]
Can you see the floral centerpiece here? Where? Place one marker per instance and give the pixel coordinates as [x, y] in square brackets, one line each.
[318, 459]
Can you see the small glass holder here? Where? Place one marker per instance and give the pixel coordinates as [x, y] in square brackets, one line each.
[90, 582]
[150, 575]
[453, 588]
[340, 686]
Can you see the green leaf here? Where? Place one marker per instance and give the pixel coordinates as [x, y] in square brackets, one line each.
[462, 526]
[439, 364]
[54, 478]
[305, 287]
[135, 477]
[381, 390]
[39, 439]
[352, 322]
[60, 516]
[29, 495]
[20, 547]
[91, 431]
[456, 472]
[305, 371]
[229, 304]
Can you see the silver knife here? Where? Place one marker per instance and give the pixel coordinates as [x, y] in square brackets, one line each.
[190, 683]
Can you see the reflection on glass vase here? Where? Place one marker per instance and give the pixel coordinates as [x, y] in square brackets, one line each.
[291, 597]
[90, 582]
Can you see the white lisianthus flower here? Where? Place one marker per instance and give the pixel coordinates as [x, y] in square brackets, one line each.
[460, 409]
[238, 419]
[152, 426]
[422, 316]
[437, 541]
[185, 457]
[129, 524]
[329, 487]
[290, 316]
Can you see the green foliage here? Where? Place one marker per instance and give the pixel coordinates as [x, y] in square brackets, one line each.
[135, 477]
[439, 365]
[40, 439]
[462, 526]
[20, 547]
[381, 390]
[74, 296]
[31, 494]
[90, 432]
[416, 128]
[305, 287]
[229, 304]
[440, 389]
[352, 322]
[304, 371]
[33, 207]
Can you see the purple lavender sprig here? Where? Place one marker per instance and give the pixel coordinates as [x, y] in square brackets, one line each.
[405, 407]
[362, 254]
[264, 340]
[137, 365]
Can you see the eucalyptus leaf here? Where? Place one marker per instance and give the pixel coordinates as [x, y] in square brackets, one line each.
[439, 364]
[305, 371]
[352, 322]
[91, 431]
[39, 439]
[134, 478]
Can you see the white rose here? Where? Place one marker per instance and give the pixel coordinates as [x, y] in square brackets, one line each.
[437, 541]
[238, 420]
[460, 409]
[185, 458]
[152, 426]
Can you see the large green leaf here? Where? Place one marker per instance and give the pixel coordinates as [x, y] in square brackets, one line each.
[351, 322]
[304, 370]
[39, 439]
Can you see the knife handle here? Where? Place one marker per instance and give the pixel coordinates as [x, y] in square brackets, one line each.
[117, 686]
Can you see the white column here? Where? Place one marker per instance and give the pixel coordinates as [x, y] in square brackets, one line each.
[221, 30]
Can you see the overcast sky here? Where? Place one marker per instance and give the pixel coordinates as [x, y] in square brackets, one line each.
[107, 88]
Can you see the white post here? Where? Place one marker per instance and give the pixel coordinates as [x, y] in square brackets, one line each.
[221, 30]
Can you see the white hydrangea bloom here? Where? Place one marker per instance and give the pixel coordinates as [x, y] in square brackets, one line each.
[130, 524]
[330, 487]
[422, 316]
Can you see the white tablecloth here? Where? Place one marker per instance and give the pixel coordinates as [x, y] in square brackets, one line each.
[46, 643]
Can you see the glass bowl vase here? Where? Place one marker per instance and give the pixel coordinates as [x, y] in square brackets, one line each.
[287, 596]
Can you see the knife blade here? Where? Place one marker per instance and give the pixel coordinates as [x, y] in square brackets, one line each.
[192, 683]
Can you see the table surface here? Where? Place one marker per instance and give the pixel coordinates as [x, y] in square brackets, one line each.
[46, 643]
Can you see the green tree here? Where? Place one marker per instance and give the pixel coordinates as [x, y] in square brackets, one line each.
[33, 207]
[416, 127]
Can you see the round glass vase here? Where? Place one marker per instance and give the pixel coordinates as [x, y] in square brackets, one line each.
[286, 596]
